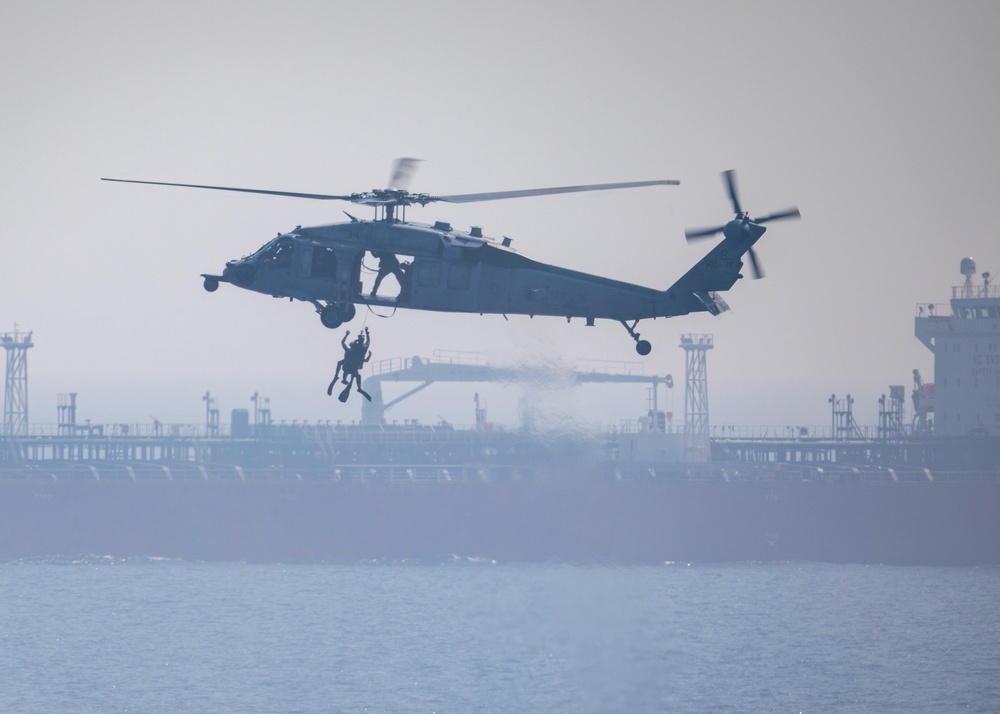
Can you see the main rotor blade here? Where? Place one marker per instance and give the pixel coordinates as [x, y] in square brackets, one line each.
[471, 197]
[319, 196]
[693, 233]
[755, 269]
[790, 213]
[730, 179]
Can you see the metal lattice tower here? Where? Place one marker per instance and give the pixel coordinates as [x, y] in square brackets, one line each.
[211, 415]
[696, 443]
[15, 400]
[843, 424]
[261, 413]
[890, 413]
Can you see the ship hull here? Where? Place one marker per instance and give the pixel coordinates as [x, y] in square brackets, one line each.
[585, 521]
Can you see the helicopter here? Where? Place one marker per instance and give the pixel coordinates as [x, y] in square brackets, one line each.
[450, 270]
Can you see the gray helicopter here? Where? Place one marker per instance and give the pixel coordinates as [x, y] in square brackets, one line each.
[449, 270]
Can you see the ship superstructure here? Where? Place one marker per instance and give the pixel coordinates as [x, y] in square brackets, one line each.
[965, 340]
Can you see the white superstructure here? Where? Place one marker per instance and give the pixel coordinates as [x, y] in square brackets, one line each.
[965, 340]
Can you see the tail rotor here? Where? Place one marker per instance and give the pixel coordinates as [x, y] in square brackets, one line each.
[741, 223]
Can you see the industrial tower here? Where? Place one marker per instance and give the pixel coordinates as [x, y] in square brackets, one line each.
[843, 424]
[15, 401]
[211, 415]
[696, 443]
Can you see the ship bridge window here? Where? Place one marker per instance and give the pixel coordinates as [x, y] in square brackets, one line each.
[978, 313]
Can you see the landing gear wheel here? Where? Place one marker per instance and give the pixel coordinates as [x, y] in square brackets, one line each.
[330, 317]
[211, 284]
[334, 315]
[641, 346]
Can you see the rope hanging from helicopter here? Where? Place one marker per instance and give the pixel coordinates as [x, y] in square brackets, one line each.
[377, 314]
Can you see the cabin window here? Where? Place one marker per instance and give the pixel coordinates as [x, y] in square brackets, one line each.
[324, 263]
[459, 276]
[429, 274]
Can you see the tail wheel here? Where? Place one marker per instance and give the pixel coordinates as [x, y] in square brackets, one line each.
[641, 346]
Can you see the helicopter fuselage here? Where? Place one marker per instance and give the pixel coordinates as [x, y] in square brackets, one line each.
[447, 270]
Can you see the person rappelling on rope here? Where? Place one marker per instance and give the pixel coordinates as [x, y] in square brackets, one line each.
[355, 356]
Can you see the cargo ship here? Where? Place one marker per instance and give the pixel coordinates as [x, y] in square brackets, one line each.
[920, 492]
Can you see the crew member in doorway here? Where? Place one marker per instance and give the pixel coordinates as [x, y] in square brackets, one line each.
[388, 264]
[354, 359]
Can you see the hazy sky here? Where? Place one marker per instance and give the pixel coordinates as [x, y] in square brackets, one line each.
[878, 120]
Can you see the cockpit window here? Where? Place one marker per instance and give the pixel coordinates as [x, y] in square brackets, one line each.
[260, 252]
[278, 253]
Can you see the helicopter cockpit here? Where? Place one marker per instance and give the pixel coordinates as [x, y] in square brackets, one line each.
[276, 252]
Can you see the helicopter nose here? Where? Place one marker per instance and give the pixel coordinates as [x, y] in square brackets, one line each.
[239, 273]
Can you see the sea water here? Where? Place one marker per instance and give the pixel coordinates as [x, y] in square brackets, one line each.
[97, 635]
